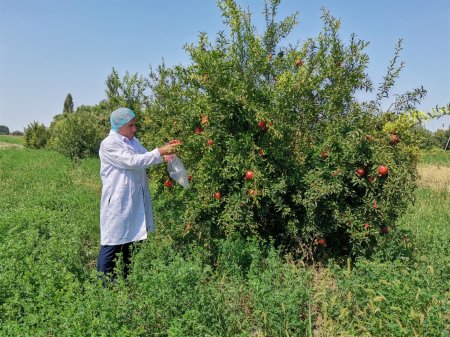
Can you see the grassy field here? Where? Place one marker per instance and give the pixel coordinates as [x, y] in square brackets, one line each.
[49, 236]
[11, 139]
[404, 290]
[435, 156]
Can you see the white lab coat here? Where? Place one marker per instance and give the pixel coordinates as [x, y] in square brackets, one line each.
[126, 213]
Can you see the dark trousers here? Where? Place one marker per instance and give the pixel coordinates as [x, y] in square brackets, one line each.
[107, 259]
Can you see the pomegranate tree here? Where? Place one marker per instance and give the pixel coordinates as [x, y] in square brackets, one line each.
[294, 119]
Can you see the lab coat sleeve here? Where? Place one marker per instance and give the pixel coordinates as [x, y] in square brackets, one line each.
[126, 159]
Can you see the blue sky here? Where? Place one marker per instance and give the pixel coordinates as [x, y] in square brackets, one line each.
[49, 48]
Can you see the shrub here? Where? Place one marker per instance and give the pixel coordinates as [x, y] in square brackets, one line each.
[441, 138]
[289, 116]
[77, 135]
[425, 138]
[36, 135]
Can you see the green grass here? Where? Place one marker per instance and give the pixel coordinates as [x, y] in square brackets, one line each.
[435, 156]
[404, 289]
[11, 139]
[49, 219]
[49, 236]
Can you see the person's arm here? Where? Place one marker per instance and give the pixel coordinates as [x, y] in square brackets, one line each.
[126, 159]
[122, 157]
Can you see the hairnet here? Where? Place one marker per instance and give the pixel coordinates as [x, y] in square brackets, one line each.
[120, 117]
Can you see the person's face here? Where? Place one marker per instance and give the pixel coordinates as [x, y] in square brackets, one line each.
[128, 130]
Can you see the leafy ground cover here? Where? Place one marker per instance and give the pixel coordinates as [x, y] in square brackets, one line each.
[49, 241]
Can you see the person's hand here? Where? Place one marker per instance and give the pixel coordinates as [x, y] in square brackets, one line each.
[168, 157]
[170, 147]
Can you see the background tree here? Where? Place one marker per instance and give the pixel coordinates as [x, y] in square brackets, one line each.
[78, 135]
[4, 130]
[102, 112]
[441, 137]
[68, 104]
[36, 135]
[112, 90]
[424, 137]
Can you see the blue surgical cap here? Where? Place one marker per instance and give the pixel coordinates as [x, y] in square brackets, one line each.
[120, 117]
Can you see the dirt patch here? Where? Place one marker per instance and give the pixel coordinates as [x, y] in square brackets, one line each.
[436, 177]
[10, 146]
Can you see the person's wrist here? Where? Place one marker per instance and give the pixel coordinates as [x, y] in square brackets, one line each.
[164, 151]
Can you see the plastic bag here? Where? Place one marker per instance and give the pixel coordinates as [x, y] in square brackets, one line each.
[177, 171]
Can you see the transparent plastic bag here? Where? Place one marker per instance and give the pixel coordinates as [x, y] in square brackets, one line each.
[177, 171]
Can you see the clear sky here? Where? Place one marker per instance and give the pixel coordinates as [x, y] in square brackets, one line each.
[49, 48]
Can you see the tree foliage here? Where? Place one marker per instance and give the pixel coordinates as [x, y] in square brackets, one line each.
[128, 91]
[441, 138]
[78, 135]
[68, 104]
[4, 130]
[36, 135]
[289, 115]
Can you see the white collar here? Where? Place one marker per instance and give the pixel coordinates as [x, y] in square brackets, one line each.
[115, 133]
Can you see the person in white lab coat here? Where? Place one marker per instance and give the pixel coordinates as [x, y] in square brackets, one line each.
[126, 214]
